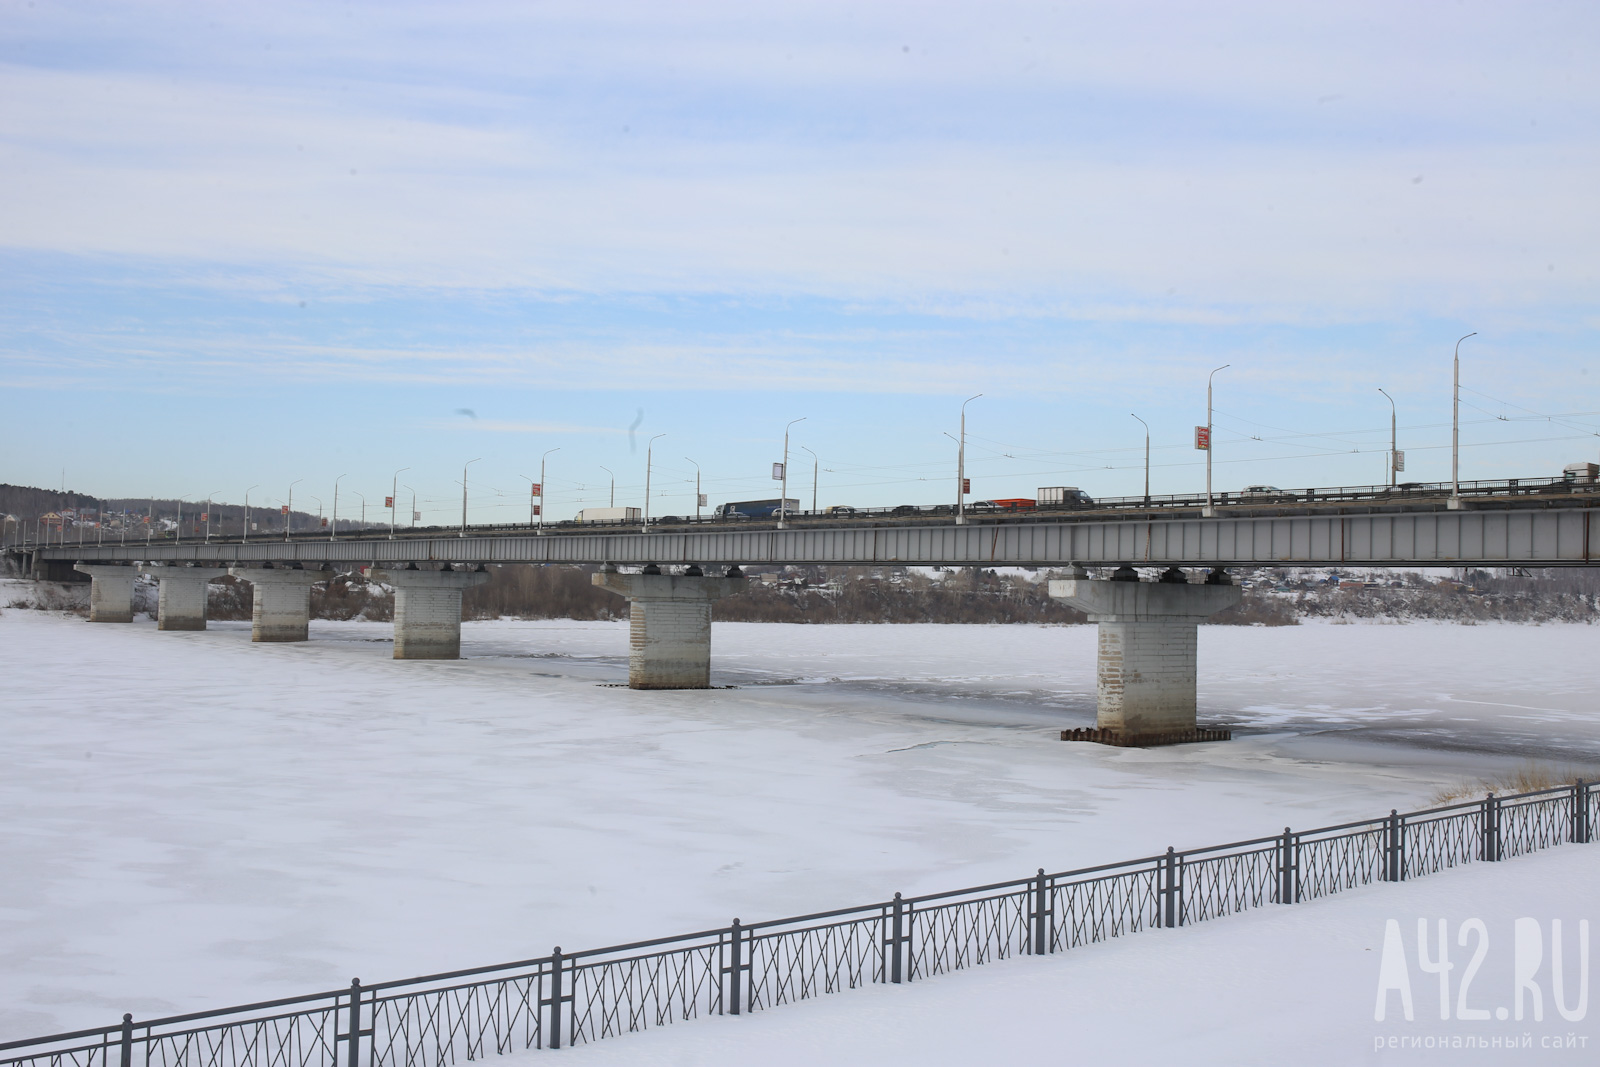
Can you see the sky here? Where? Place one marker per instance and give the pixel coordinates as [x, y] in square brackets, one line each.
[246, 245]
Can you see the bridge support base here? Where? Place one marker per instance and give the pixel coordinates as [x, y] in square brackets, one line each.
[181, 603]
[427, 610]
[1145, 672]
[280, 608]
[670, 639]
[110, 592]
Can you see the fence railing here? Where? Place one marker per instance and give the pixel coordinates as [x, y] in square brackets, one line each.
[571, 998]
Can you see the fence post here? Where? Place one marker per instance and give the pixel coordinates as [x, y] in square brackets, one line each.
[553, 1024]
[1391, 866]
[897, 941]
[1285, 892]
[354, 1057]
[127, 1040]
[736, 970]
[1170, 889]
[1580, 814]
[1490, 827]
[1041, 935]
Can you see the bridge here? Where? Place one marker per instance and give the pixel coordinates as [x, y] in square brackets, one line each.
[1148, 628]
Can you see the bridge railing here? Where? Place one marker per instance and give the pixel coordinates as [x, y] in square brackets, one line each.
[571, 998]
[1409, 492]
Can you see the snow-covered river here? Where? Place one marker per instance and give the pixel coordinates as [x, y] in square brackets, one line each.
[190, 820]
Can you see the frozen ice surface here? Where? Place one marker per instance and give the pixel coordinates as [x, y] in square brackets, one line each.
[192, 821]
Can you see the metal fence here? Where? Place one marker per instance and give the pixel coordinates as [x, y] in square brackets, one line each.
[572, 998]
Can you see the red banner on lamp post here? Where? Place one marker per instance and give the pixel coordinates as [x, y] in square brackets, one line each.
[1202, 438]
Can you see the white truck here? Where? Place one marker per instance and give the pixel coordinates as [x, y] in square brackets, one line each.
[609, 515]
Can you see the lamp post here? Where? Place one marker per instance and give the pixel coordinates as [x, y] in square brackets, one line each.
[246, 532]
[783, 501]
[1146, 426]
[961, 464]
[413, 505]
[647, 458]
[542, 497]
[394, 496]
[333, 527]
[1393, 418]
[209, 496]
[1211, 441]
[696, 489]
[613, 487]
[1455, 430]
[319, 511]
[816, 465]
[363, 512]
[288, 515]
[464, 467]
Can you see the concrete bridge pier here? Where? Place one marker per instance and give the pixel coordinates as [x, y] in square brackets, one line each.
[427, 610]
[110, 592]
[181, 602]
[670, 638]
[1145, 671]
[280, 608]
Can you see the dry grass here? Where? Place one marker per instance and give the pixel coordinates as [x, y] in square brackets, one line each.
[1529, 778]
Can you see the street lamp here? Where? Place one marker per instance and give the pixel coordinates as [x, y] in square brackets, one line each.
[1211, 442]
[1393, 416]
[783, 502]
[209, 495]
[288, 514]
[1455, 431]
[696, 489]
[647, 457]
[244, 539]
[333, 527]
[961, 465]
[413, 505]
[319, 511]
[542, 497]
[394, 496]
[1146, 426]
[464, 467]
[816, 465]
[613, 487]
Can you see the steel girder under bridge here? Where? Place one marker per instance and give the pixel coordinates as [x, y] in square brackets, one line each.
[1487, 536]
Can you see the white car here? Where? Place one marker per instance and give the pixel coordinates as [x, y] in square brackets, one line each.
[1261, 492]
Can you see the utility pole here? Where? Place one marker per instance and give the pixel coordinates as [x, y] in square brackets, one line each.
[288, 514]
[696, 489]
[363, 497]
[464, 467]
[613, 487]
[333, 527]
[1146, 426]
[816, 464]
[961, 465]
[245, 533]
[394, 497]
[1211, 440]
[783, 499]
[648, 455]
[1393, 427]
[1455, 431]
[542, 496]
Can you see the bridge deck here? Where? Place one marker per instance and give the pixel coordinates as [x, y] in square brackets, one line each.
[1511, 531]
